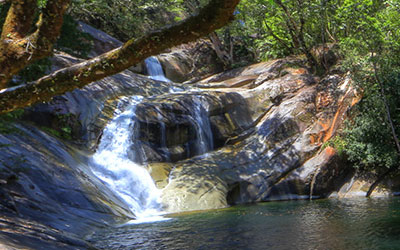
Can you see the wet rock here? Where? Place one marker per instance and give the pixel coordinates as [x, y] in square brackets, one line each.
[358, 185]
[102, 42]
[160, 172]
[180, 126]
[49, 197]
[177, 66]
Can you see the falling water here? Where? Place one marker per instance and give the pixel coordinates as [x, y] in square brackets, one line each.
[155, 70]
[130, 181]
[204, 135]
[114, 165]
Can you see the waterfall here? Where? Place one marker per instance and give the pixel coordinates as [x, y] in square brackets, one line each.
[114, 162]
[205, 142]
[155, 70]
[130, 181]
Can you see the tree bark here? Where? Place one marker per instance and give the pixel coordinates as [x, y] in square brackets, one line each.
[18, 47]
[214, 15]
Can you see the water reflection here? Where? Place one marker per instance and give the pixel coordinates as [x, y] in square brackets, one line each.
[325, 224]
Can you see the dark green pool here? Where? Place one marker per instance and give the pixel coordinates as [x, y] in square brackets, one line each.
[324, 224]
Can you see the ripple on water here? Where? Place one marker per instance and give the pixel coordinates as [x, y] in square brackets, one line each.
[323, 224]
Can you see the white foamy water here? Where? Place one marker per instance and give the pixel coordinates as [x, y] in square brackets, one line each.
[130, 181]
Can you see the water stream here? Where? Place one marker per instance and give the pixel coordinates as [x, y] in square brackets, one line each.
[201, 121]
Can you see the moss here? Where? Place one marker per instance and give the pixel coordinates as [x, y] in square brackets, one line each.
[51, 131]
[63, 127]
[338, 143]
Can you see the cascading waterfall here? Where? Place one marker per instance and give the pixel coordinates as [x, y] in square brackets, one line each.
[130, 181]
[154, 69]
[113, 162]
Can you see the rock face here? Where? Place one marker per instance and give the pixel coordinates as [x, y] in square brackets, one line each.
[178, 126]
[48, 195]
[278, 153]
[192, 61]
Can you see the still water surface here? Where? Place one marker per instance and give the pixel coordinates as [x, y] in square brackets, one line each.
[323, 224]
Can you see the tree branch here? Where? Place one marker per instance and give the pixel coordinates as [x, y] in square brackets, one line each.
[49, 27]
[19, 19]
[18, 48]
[277, 38]
[214, 15]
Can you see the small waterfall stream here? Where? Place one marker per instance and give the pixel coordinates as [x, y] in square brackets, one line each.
[154, 69]
[204, 135]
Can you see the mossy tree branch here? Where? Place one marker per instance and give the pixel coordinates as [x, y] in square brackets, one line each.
[214, 15]
[19, 47]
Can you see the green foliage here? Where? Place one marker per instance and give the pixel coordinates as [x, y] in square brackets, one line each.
[64, 133]
[370, 143]
[72, 40]
[125, 19]
[337, 142]
[61, 126]
[34, 71]
[41, 3]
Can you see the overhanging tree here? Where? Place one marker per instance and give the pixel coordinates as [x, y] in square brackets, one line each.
[20, 46]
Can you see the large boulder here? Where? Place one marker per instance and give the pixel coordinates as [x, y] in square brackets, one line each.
[281, 155]
[103, 42]
[190, 62]
[178, 126]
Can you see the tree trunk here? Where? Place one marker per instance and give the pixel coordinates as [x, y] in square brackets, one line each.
[222, 54]
[18, 47]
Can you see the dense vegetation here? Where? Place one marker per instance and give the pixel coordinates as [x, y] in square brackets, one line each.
[367, 33]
